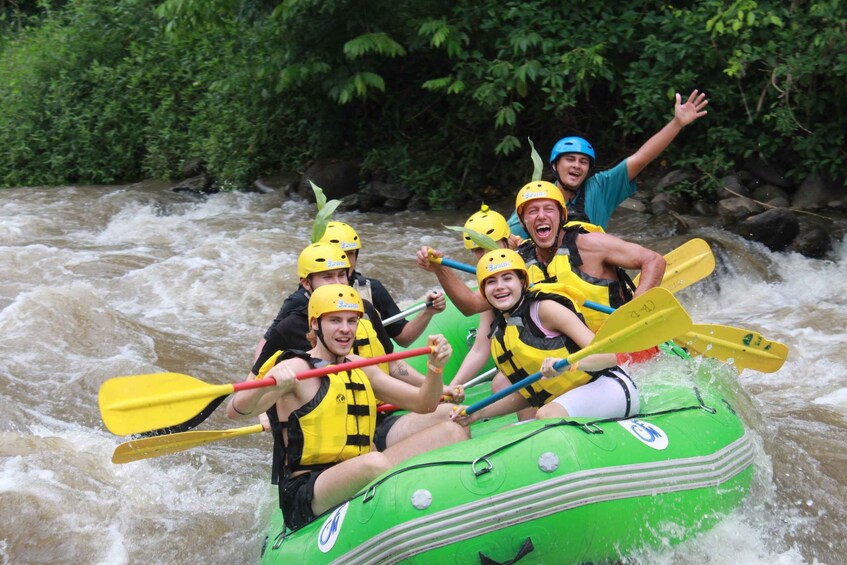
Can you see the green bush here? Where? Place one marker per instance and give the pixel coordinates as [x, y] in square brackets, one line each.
[438, 95]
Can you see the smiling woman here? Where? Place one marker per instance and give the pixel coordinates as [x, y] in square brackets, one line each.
[534, 330]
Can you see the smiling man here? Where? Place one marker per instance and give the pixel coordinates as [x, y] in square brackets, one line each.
[592, 195]
[325, 429]
[576, 263]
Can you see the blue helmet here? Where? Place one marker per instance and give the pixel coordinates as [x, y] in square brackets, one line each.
[572, 145]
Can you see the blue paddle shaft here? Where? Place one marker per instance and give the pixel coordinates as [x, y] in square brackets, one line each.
[599, 307]
[458, 266]
[476, 407]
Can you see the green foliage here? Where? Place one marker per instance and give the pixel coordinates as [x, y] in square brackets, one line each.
[537, 163]
[325, 211]
[482, 240]
[435, 95]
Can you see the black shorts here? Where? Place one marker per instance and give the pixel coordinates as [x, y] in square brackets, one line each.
[295, 499]
[384, 422]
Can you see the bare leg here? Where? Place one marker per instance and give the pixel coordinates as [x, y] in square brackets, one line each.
[433, 437]
[345, 479]
[552, 410]
[412, 423]
[499, 383]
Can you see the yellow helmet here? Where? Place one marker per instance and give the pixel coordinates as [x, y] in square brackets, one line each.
[538, 190]
[334, 298]
[342, 235]
[320, 257]
[487, 222]
[498, 261]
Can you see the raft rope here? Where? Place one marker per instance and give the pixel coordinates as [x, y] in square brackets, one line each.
[591, 427]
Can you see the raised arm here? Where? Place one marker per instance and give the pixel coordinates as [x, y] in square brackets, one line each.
[467, 301]
[684, 114]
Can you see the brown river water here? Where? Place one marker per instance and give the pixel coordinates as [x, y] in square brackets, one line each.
[100, 282]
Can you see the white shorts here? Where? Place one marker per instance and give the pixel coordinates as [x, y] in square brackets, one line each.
[610, 395]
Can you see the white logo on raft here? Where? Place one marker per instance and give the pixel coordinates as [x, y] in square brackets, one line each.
[331, 528]
[648, 434]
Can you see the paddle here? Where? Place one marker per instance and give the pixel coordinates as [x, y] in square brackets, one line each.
[147, 447]
[486, 376]
[743, 348]
[453, 264]
[625, 331]
[406, 313]
[141, 403]
[690, 262]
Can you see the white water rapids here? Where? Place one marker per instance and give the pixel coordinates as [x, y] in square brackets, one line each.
[100, 282]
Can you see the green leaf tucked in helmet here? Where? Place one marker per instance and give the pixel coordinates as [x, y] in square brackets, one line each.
[324, 215]
[537, 163]
[480, 239]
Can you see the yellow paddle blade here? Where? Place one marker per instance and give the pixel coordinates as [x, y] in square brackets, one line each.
[652, 318]
[140, 403]
[743, 348]
[690, 262]
[145, 448]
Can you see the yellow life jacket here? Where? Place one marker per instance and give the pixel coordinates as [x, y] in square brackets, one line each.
[519, 347]
[587, 226]
[563, 276]
[367, 343]
[337, 424]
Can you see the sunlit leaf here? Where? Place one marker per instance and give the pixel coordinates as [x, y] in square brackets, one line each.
[537, 163]
[480, 239]
[325, 211]
[320, 197]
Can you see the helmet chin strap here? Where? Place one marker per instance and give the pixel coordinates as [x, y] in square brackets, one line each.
[320, 334]
[517, 305]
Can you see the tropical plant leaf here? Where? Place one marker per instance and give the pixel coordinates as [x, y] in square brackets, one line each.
[480, 239]
[320, 197]
[537, 163]
[324, 215]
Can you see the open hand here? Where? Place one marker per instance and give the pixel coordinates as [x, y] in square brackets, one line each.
[692, 109]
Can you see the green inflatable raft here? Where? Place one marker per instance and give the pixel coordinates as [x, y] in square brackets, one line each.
[545, 491]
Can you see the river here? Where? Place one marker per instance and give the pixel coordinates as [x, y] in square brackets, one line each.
[100, 282]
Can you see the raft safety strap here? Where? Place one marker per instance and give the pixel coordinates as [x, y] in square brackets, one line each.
[280, 537]
[526, 549]
[591, 427]
[479, 472]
